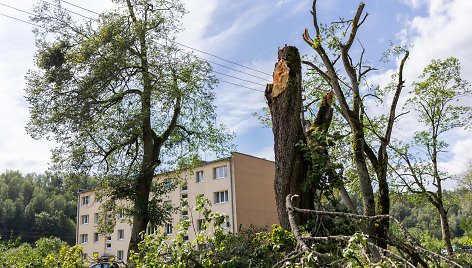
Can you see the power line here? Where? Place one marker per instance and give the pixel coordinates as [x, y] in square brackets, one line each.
[224, 66]
[223, 74]
[180, 44]
[1, 14]
[234, 84]
[83, 8]
[21, 10]
[218, 57]
[244, 80]
[70, 11]
[236, 70]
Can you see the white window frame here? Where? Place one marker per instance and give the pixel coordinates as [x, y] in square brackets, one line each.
[184, 188]
[218, 170]
[121, 214]
[221, 197]
[83, 238]
[95, 217]
[108, 242]
[85, 200]
[169, 229]
[199, 176]
[84, 219]
[151, 229]
[121, 234]
[120, 254]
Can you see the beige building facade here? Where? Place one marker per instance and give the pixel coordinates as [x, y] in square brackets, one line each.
[241, 187]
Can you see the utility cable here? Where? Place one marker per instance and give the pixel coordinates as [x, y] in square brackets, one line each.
[244, 80]
[83, 8]
[1, 14]
[59, 7]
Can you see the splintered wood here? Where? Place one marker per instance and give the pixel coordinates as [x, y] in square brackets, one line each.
[280, 78]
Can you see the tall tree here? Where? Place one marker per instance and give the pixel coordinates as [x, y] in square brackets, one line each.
[345, 75]
[121, 99]
[284, 98]
[436, 99]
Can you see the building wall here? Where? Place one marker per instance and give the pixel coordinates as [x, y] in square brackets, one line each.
[251, 200]
[254, 190]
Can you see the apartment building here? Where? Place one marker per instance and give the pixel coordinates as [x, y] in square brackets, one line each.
[241, 187]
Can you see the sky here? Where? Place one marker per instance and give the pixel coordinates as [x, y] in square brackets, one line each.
[249, 33]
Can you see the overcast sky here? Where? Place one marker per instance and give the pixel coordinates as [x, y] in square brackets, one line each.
[249, 32]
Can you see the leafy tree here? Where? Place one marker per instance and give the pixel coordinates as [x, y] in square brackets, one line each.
[465, 180]
[337, 66]
[122, 100]
[436, 99]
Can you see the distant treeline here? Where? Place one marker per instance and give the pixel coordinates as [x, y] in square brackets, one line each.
[39, 205]
[420, 217]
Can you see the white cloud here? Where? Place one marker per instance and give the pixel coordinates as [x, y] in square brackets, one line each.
[415, 4]
[442, 33]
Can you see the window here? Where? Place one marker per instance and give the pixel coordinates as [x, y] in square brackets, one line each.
[219, 172]
[84, 219]
[169, 228]
[183, 200]
[221, 197]
[184, 187]
[96, 237]
[95, 217]
[151, 229]
[121, 214]
[185, 237]
[83, 238]
[199, 176]
[226, 223]
[119, 255]
[184, 213]
[108, 242]
[200, 224]
[85, 200]
[121, 234]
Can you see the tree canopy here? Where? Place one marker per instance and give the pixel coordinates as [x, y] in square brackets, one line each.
[121, 98]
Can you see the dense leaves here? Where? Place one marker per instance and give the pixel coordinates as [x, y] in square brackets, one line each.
[122, 100]
[34, 206]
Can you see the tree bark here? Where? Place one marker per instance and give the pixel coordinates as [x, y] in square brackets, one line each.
[284, 97]
[445, 230]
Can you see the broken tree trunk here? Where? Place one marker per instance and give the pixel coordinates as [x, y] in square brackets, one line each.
[284, 97]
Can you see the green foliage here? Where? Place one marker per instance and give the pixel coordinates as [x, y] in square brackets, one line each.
[122, 100]
[212, 246]
[34, 206]
[46, 252]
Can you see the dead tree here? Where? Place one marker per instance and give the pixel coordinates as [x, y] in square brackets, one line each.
[408, 253]
[284, 97]
[336, 62]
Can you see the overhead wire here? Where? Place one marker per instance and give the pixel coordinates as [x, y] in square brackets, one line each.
[14, 18]
[177, 43]
[68, 10]
[77, 6]
[191, 48]
[218, 57]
